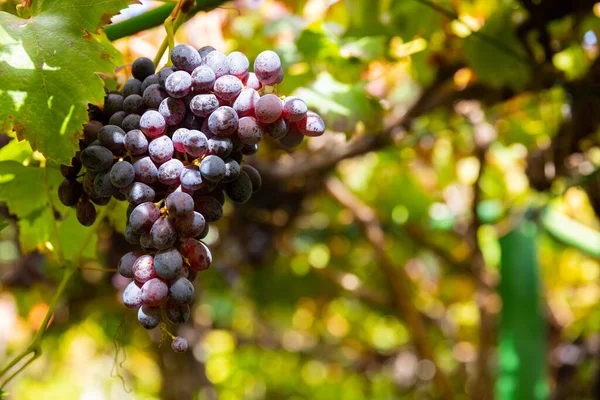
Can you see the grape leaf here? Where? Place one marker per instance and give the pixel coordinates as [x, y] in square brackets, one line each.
[49, 63]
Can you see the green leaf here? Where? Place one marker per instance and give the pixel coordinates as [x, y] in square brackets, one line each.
[522, 346]
[410, 18]
[48, 71]
[498, 57]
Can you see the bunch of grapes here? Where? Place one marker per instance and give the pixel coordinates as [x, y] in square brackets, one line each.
[172, 144]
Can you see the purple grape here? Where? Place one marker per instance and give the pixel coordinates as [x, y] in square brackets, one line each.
[216, 61]
[249, 131]
[168, 263]
[232, 170]
[178, 84]
[164, 74]
[228, 87]
[111, 137]
[191, 225]
[190, 178]
[122, 174]
[145, 171]
[180, 204]
[149, 317]
[279, 77]
[185, 57]
[238, 64]
[113, 103]
[150, 80]
[181, 291]
[132, 296]
[268, 109]
[254, 176]
[195, 143]
[203, 105]
[312, 125]
[138, 193]
[71, 171]
[131, 122]
[152, 124]
[146, 242]
[132, 86]
[163, 233]
[203, 51]
[69, 192]
[277, 129]
[197, 254]
[135, 142]
[252, 82]
[117, 118]
[209, 207]
[203, 79]
[169, 172]
[178, 139]
[220, 146]
[240, 190]
[223, 122]
[142, 68]
[266, 67]
[294, 108]
[161, 150]
[143, 268]
[177, 314]
[245, 103]
[85, 212]
[134, 104]
[293, 138]
[91, 129]
[212, 168]
[103, 187]
[179, 345]
[154, 292]
[172, 110]
[126, 262]
[154, 95]
[143, 217]
[131, 236]
[249, 149]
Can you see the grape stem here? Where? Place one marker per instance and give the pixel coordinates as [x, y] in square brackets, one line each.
[35, 347]
[177, 18]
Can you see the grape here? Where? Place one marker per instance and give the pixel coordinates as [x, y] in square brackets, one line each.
[197, 254]
[150, 80]
[220, 146]
[195, 143]
[138, 193]
[268, 109]
[152, 124]
[169, 172]
[279, 77]
[249, 149]
[203, 51]
[177, 314]
[192, 122]
[117, 118]
[88, 183]
[172, 110]
[132, 86]
[252, 82]
[216, 61]
[142, 68]
[294, 108]
[190, 178]
[209, 207]
[122, 174]
[203, 79]
[145, 171]
[254, 176]
[180, 204]
[181, 291]
[154, 95]
[191, 225]
[249, 131]
[134, 104]
[266, 67]
[168, 263]
[185, 57]
[293, 138]
[277, 129]
[111, 137]
[238, 64]
[91, 129]
[161, 149]
[126, 262]
[164, 74]
[135, 142]
[193, 274]
[228, 87]
[240, 190]
[103, 186]
[154, 292]
[179, 345]
[71, 171]
[143, 268]
[69, 192]
[131, 122]
[146, 242]
[223, 121]
[85, 212]
[232, 170]
[119, 196]
[203, 105]
[178, 139]
[212, 168]
[143, 217]
[245, 103]
[178, 84]
[163, 233]
[132, 296]
[112, 103]
[219, 195]
[131, 236]
[149, 317]
[312, 125]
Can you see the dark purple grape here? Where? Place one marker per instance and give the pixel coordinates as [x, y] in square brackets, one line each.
[216, 61]
[132, 296]
[154, 95]
[203, 51]
[117, 118]
[177, 314]
[161, 149]
[164, 74]
[203, 79]
[197, 254]
[168, 263]
[122, 174]
[220, 146]
[134, 104]
[132, 86]
[266, 67]
[192, 273]
[181, 291]
[245, 103]
[249, 131]
[238, 64]
[145, 171]
[195, 143]
[223, 122]
[209, 207]
[219, 195]
[203, 105]
[154, 292]
[293, 138]
[152, 124]
[111, 137]
[135, 142]
[85, 212]
[180, 204]
[163, 233]
[142, 68]
[103, 187]
[249, 149]
[138, 193]
[172, 110]
[240, 190]
[131, 236]
[178, 84]
[131, 122]
[185, 57]
[143, 268]
[101, 201]
[178, 139]
[146, 242]
[254, 176]
[143, 217]
[91, 129]
[69, 192]
[190, 178]
[228, 87]
[268, 109]
[149, 317]
[112, 103]
[150, 80]
[179, 345]
[277, 129]
[169, 172]
[294, 108]
[312, 125]
[126, 262]
[279, 77]
[251, 81]
[191, 225]
[232, 170]
[212, 168]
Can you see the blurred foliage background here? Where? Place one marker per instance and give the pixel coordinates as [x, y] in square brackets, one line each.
[441, 240]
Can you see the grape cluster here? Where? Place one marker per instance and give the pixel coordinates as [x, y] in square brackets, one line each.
[172, 144]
